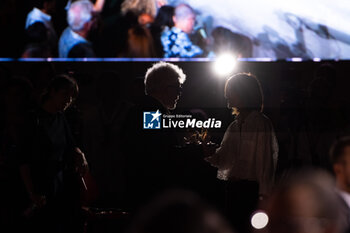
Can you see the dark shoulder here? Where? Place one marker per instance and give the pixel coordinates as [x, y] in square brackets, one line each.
[260, 120]
[81, 50]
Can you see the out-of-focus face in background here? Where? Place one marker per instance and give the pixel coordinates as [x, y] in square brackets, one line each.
[307, 205]
[189, 23]
[296, 212]
[184, 18]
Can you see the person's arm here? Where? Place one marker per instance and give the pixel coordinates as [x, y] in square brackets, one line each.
[81, 163]
[38, 200]
[222, 156]
[78, 160]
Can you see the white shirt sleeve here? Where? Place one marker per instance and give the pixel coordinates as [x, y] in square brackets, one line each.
[266, 157]
[223, 157]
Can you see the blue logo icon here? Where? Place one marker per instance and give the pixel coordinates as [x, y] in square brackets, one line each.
[151, 120]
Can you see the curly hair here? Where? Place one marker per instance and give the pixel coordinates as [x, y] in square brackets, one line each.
[160, 73]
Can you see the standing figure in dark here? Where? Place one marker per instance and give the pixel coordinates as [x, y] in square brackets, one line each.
[151, 152]
[50, 170]
[39, 22]
[74, 41]
[247, 156]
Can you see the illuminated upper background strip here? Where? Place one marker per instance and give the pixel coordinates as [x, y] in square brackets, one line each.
[283, 29]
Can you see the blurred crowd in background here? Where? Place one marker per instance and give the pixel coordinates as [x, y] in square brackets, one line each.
[112, 28]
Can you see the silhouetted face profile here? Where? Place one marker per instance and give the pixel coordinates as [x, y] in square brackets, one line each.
[62, 98]
[163, 82]
[233, 100]
[172, 94]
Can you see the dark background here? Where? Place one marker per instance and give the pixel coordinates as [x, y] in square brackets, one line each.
[285, 86]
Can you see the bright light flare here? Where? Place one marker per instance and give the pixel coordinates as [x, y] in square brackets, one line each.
[259, 220]
[224, 64]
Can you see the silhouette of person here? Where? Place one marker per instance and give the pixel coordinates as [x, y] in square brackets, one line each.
[52, 161]
[247, 156]
[151, 160]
